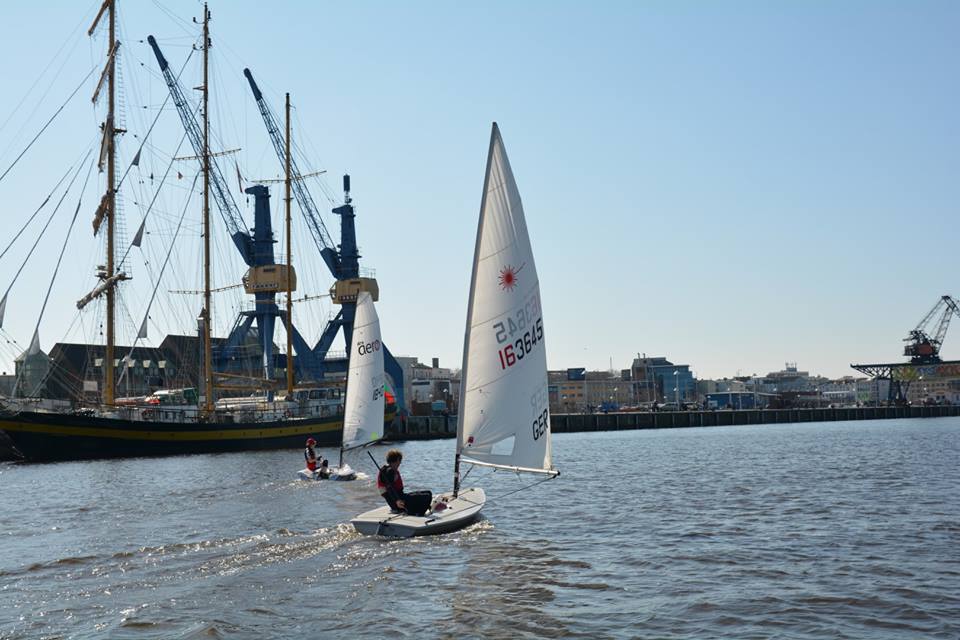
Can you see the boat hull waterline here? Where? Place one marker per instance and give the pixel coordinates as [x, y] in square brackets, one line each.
[48, 437]
[460, 512]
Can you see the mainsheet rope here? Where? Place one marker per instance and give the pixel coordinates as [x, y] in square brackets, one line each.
[503, 495]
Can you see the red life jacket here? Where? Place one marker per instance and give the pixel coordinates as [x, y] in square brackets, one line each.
[311, 457]
[396, 485]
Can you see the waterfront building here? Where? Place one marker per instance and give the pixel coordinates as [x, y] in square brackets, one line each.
[430, 388]
[7, 383]
[648, 380]
[659, 380]
[736, 400]
[934, 390]
[872, 393]
[32, 369]
[790, 379]
[567, 390]
[723, 385]
[608, 390]
[577, 390]
[74, 371]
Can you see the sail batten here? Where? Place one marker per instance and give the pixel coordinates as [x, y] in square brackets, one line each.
[504, 413]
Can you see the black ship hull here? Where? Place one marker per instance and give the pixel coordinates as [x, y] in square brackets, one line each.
[48, 437]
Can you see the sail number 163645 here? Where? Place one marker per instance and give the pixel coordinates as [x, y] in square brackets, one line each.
[523, 345]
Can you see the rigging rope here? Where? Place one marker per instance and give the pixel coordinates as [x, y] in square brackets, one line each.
[136, 156]
[42, 231]
[27, 148]
[40, 77]
[65, 240]
[156, 286]
[155, 195]
[35, 341]
[533, 484]
[42, 205]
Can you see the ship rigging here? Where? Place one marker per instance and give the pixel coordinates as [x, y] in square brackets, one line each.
[100, 421]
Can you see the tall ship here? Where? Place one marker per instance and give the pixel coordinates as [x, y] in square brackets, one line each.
[193, 393]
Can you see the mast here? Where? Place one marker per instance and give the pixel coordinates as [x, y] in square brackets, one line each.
[107, 208]
[207, 313]
[290, 262]
[108, 390]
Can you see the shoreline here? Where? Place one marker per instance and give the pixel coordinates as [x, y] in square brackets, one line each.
[437, 427]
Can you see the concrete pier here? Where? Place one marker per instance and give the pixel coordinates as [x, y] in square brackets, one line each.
[426, 428]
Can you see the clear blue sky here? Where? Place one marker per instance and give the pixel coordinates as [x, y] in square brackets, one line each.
[731, 185]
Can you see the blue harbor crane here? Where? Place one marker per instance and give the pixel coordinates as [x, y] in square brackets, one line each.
[265, 278]
[343, 263]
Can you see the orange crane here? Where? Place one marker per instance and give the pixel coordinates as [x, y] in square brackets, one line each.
[924, 346]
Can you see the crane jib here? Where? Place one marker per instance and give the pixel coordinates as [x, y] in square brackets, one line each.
[221, 195]
[318, 230]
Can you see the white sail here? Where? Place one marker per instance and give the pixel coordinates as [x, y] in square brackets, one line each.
[504, 409]
[363, 412]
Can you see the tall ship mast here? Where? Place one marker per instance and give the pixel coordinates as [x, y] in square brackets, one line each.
[108, 206]
[207, 303]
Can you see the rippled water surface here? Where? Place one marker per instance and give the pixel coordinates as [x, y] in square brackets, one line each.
[824, 530]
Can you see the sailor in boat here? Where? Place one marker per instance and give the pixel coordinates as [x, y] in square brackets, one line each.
[390, 485]
[310, 455]
[324, 469]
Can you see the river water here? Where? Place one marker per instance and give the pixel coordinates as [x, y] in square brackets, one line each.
[818, 530]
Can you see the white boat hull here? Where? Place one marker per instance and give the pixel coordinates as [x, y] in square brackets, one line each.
[306, 474]
[343, 473]
[458, 514]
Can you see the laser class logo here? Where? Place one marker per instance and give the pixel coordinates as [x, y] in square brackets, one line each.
[508, 277]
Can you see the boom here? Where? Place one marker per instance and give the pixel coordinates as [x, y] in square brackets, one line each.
[318, 230]
[925, 345]
[221, 195]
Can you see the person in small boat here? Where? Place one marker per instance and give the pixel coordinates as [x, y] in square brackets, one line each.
[324, 469]
[390, 485]
[310, 455]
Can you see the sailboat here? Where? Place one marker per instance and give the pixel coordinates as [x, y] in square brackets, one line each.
[363, 417]
[504, 414]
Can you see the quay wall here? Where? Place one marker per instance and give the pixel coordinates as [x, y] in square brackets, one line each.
[431, 427]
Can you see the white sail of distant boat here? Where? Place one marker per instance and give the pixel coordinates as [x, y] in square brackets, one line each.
[504, 416]
[363, 413]
[363, 410]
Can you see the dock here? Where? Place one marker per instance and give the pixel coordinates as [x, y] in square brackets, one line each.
[433, 427]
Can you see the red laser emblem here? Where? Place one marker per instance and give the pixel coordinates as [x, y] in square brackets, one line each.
[508, 278]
